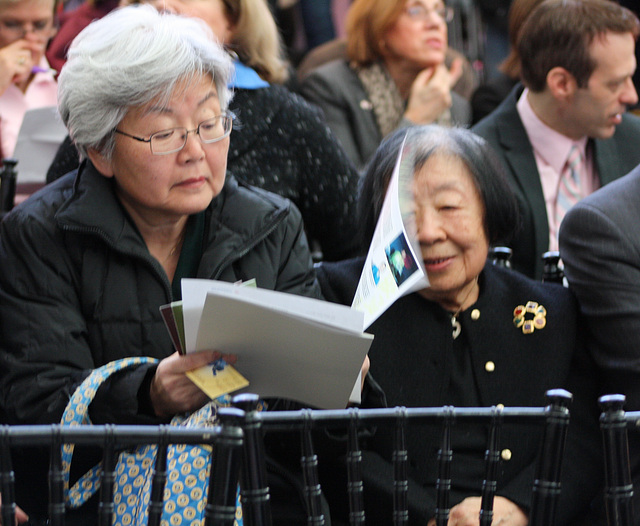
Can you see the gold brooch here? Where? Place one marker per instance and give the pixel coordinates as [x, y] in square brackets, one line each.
[538, 321]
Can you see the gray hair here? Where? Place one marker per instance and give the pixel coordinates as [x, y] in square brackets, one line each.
[129, 58]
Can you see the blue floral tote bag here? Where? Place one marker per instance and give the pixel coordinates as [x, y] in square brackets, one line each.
[188, 466]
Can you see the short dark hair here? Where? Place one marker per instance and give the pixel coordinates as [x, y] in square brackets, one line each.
[558, 33]
[501, 213]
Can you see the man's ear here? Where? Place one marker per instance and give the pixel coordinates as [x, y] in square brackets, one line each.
[561, 83]
[100, 162]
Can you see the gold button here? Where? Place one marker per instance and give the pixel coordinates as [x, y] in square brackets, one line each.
[475, 314]
[489, 367]
[499, 406]
[505, 454]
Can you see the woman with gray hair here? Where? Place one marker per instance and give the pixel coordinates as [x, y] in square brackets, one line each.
[89, 259]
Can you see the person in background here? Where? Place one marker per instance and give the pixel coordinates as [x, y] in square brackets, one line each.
[394, 75]
[26, 81]
[488, 96]
[635, 8]
[287, 17]
[600, 248]
[70, 23]
[566, 132]
[89, 259]
[495, 14]
[460, 342]
[317, 21]
[279, 141]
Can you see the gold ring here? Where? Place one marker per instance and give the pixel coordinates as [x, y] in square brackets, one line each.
[21, 61]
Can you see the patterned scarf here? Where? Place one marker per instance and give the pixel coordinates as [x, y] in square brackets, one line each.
[386, 101]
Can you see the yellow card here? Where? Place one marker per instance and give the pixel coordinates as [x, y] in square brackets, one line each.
[217, 379]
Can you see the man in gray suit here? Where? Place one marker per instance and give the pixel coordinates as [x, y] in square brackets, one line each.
[600, 246]
[578, 58]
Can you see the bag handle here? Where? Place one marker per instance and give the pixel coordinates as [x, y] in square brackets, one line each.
[77, 413]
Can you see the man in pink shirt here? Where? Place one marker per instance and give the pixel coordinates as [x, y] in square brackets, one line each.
[25, 78]
[578, 59]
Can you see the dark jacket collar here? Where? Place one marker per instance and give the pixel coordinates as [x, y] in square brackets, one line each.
[238, 218]
[95, 208]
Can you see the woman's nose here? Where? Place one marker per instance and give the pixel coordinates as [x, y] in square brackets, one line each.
[193, 147]
[430, 227]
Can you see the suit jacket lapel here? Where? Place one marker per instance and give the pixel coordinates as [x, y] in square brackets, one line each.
[607, 160]
[521, 162]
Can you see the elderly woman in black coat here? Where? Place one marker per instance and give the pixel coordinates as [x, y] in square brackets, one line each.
[478, 335]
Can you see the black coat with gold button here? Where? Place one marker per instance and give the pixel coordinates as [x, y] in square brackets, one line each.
[494, 361]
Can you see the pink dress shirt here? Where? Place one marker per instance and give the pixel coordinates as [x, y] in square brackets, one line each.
[551, 150]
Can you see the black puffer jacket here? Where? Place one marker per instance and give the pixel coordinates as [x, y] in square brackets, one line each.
[79, 288]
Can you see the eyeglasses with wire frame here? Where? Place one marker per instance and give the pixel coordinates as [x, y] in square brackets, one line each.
[16, 29]
[173, 140]
[420, 12]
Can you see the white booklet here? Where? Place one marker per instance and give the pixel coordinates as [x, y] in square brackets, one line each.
[287, 346]
[394, 265]
[40, 136]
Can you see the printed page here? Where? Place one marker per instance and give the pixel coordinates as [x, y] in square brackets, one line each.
[42, 131]
[394, 265]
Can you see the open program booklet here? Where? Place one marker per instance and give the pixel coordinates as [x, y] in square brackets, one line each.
[394, 265]
[294, 347]
[287, 346]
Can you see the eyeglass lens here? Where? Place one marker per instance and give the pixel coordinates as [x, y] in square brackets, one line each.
[174, 139]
